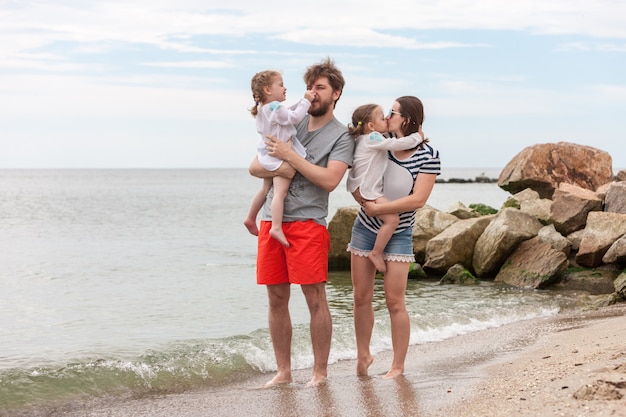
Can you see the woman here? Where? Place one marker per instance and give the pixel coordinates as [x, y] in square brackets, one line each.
[408, 181]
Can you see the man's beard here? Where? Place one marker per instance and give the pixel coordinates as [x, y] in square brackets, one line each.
[322, 109]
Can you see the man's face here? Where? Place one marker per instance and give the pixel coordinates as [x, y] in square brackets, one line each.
[325, 97]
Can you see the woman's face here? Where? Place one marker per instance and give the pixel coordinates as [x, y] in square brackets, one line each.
[395, 119]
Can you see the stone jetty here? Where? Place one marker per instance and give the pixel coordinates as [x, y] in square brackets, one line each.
[564, 226]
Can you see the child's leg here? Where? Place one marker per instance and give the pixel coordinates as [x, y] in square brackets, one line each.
[390, 222]
[256, 206]
[281, 187]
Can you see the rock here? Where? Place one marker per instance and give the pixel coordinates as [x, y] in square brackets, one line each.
[340, 230]
[534, 264]
[501, 236]
[543, 167]
[620, 285]
[575, 238]
[482, 209]
[461, 211]
[539, 208]
[549, 235]
[416, 271]
[429, 222]
[593, 281]
[616, 252]
[570, 206]
[621, 176]
[615, 199]
[602, 230]
[458, 274]
[455, 245]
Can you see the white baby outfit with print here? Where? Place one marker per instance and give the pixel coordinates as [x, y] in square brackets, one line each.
[370, 161]
[277, 120]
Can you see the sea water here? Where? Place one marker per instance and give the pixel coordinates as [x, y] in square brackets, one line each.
[144, 280]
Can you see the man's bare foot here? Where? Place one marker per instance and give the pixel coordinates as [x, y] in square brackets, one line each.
[279, 236]
[251, 226]
[363, 366]
[393, 373]
[316, 381]
[378, 261]
[278, 380]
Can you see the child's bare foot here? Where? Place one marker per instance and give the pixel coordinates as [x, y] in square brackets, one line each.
[251, 226]
[279, 236]
[363, 366]
[378, 261]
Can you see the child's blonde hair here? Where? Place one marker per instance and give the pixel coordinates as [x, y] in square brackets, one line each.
[360, 117]
[259, 82]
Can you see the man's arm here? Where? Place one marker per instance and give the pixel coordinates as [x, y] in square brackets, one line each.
[256, 170]
[326, 178]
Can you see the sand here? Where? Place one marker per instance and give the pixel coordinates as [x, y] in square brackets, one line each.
[568, 365]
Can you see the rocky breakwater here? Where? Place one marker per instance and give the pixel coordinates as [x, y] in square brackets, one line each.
[564, 226]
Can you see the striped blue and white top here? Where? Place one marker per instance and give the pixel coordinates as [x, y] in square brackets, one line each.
[399, 179]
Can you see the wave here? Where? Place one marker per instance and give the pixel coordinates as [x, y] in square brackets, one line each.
[195, 364]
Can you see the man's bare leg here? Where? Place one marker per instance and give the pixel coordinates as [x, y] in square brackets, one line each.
[321, 328]
[363, 275]
[280, 332]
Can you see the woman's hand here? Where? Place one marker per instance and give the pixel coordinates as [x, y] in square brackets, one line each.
[358, 197]
[370, 208]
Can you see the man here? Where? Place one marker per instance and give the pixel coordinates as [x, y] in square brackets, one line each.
[305, 261]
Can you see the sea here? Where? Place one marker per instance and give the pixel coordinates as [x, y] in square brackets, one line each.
[143, 280]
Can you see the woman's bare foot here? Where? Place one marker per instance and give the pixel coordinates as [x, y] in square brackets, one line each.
[363, 366]
[280, 236]
[279, 379]
[378, 261]
[316, 381]
[393, 373]
[251, 226]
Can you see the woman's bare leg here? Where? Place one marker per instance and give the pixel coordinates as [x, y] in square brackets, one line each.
[395, 289]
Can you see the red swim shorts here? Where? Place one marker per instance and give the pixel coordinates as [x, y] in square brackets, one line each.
[304, 262]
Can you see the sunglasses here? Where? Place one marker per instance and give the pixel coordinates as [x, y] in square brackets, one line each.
[392, 112]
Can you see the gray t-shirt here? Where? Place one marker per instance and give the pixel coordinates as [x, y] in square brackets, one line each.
[306, 200]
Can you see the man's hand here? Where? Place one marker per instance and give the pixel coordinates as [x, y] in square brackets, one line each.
[285, 170]
[278, 149]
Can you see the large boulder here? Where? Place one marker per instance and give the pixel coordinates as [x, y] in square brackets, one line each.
[602, 230]
[570, 206]
[616, 252]
[455, 245]
[615, 199]
[501, 236]
[534, 264]
[543, 167]
[592, 281]
[340, 231]
[429, 222]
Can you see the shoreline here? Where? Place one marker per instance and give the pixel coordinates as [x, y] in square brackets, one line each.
[529, 368]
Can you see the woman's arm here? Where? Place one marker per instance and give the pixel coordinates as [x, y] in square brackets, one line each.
[421, 191]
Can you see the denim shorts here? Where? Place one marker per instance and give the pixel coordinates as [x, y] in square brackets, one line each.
[399, 248]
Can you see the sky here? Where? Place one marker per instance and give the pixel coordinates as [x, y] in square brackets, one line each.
[166, 83]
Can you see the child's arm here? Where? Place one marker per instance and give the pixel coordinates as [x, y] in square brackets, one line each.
[376, 141]
[295, 113]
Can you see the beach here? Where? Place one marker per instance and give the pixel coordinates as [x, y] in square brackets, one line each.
[529, 368]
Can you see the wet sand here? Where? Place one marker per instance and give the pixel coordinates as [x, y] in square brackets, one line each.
[568, 365]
